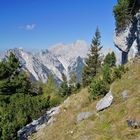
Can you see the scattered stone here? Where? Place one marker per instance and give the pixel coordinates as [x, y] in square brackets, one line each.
[83, 115]
[125, 95]
[105, 102]
[133, 124]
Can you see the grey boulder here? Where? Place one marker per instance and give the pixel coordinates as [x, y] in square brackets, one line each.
[125, 95]
[105, 102]
[83, 115]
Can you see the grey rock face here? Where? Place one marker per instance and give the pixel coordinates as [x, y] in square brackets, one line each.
[71, 56]
[83, 115]
[38, 124]
[57, 60]
[105, 102]
[128, 39]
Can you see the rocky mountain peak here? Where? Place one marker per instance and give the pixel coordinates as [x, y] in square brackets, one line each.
[56, 60]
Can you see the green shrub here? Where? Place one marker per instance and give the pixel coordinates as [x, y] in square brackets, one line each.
[107, 74]
[56, 100]
[124, 11]
[118, 72]
[22, 101]
[98, 87]
[110, 59]
[20, 110]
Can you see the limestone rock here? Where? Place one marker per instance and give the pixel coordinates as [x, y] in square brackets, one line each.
[125, 95]
[128, 39]
[38, 124]
[105, 102]
[83, 115]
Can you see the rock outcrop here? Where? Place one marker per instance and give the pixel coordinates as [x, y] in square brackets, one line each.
[133, 123]
[83, 115]
[105, 102]
[38, 124]
[127, 39]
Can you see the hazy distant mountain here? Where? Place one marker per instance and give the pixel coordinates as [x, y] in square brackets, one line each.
[57, 60]
[71, 56]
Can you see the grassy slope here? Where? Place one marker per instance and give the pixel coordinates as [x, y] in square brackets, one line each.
[109, 124]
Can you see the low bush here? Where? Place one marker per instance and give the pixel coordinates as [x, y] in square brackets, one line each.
[98, 87]
[56, 100]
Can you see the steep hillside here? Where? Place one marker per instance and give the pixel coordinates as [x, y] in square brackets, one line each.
[109, 124]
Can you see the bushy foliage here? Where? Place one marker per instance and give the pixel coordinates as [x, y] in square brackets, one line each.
[107, 74]
[110, 59]
[121, 13]
[55, 100]
[50, 88]
[74, 84]
[118, 72]
[12, 78]
[21, 110]
[64, 89]
[20, 100]
[124, 11]
[98, 87]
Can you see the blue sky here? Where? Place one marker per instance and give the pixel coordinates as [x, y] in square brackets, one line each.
[38, 24]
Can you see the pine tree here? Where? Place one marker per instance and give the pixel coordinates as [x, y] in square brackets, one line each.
[113, 56]
[12, 79]
[64, 88]
[73, 79]
[50, 88]
[74, 84]
[93, 62]
[107, 74]
[110, 59]
[19, 104]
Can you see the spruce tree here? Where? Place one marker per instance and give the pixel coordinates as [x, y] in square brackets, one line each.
[93, 62]
[110, 59]
[73, 79]
[113, 56]
[50, 88]
[64, 89]
[107, 74]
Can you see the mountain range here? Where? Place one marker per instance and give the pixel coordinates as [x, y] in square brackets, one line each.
[56, 60]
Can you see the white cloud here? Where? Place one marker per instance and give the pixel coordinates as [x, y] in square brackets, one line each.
[28, 27]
